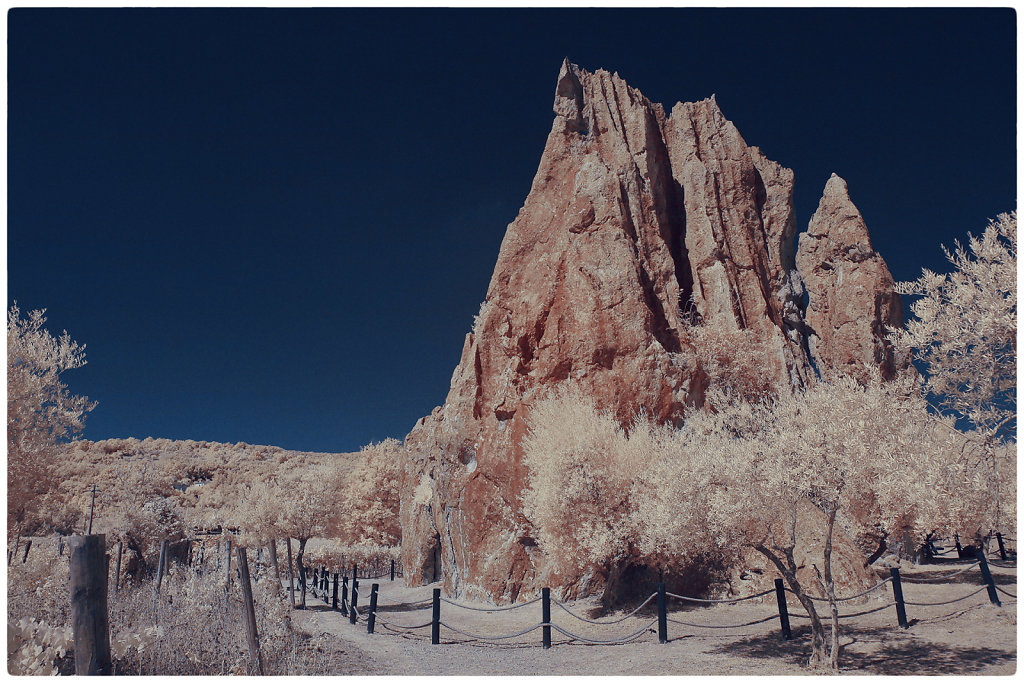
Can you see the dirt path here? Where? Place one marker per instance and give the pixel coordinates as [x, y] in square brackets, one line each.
[971, 636]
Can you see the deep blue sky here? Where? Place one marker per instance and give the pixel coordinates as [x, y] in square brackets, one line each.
[275, 226]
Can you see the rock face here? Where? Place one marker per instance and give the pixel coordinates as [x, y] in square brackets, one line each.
[637, 226]
[849, 287]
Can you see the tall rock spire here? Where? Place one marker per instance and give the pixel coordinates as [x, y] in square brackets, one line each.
[637, 227]
[850, 292]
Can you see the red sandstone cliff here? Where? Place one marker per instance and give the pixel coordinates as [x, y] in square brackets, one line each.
[638, 225]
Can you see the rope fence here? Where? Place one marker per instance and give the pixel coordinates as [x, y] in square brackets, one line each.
[320, 582]
[848, 597]
[565, 608]
[722, 601]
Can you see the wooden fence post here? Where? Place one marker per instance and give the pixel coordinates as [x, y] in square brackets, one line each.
[249, 610]
[1002, 548]
[344, 594]
[897, 592]
[28, 546]
[117, 567]
[160, 565]
[545, 611]
[353, 614]
[291, 573]
[371, 618]
[334, 597]
[89, 605]
[435, 618]
[662, 614]
[959, 548]
[780, 596]
[392, 570]
[227, 579]
[987, 576]
[325, 585]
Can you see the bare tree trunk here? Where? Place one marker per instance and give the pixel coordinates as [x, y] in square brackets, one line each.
[788, 570]
[291, 572]
[273, 561]
[829, 587]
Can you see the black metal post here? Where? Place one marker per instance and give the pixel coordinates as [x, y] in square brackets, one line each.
[545, 603]
[435, 618]
[1002, 548]
[334, 598]
[353, 614]
[371, 618]
[780, 596]
[662, 614]
[897, 592]
[354, 576]
[344, 594]
[393, 562]
[959, 548]
[325, 585]
[987, 576]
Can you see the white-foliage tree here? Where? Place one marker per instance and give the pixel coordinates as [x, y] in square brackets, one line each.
[41, 411]
[367, 496]
[581, 475]
[964, 329]
[778, 477]
[305, 509]
[963, 335]
[857, 455]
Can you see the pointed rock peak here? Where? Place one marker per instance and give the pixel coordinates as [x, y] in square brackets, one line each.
[569, 97]
[836, 188]
[569, 85]
[838, 217]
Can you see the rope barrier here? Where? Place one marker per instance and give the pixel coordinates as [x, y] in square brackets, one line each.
[490, 609]
[868, 611]
[747, 597]
[502, 637]
[749, 623]
[849, 597]
[946, 602]
[602, 623]
[1006, 592]
[408, 626]
[632, 636]
[1002, 566]
[944, 577]
[415, 606]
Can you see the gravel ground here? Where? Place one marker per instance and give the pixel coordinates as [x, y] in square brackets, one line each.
[970, 636]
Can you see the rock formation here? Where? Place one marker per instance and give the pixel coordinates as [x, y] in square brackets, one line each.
[849, 288]
[638, 225]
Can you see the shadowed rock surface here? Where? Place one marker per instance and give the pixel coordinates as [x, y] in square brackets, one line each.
[637, 226]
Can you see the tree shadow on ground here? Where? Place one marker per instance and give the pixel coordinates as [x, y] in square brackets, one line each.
[890, 652]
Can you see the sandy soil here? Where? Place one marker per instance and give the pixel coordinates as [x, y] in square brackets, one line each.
[971, 636]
